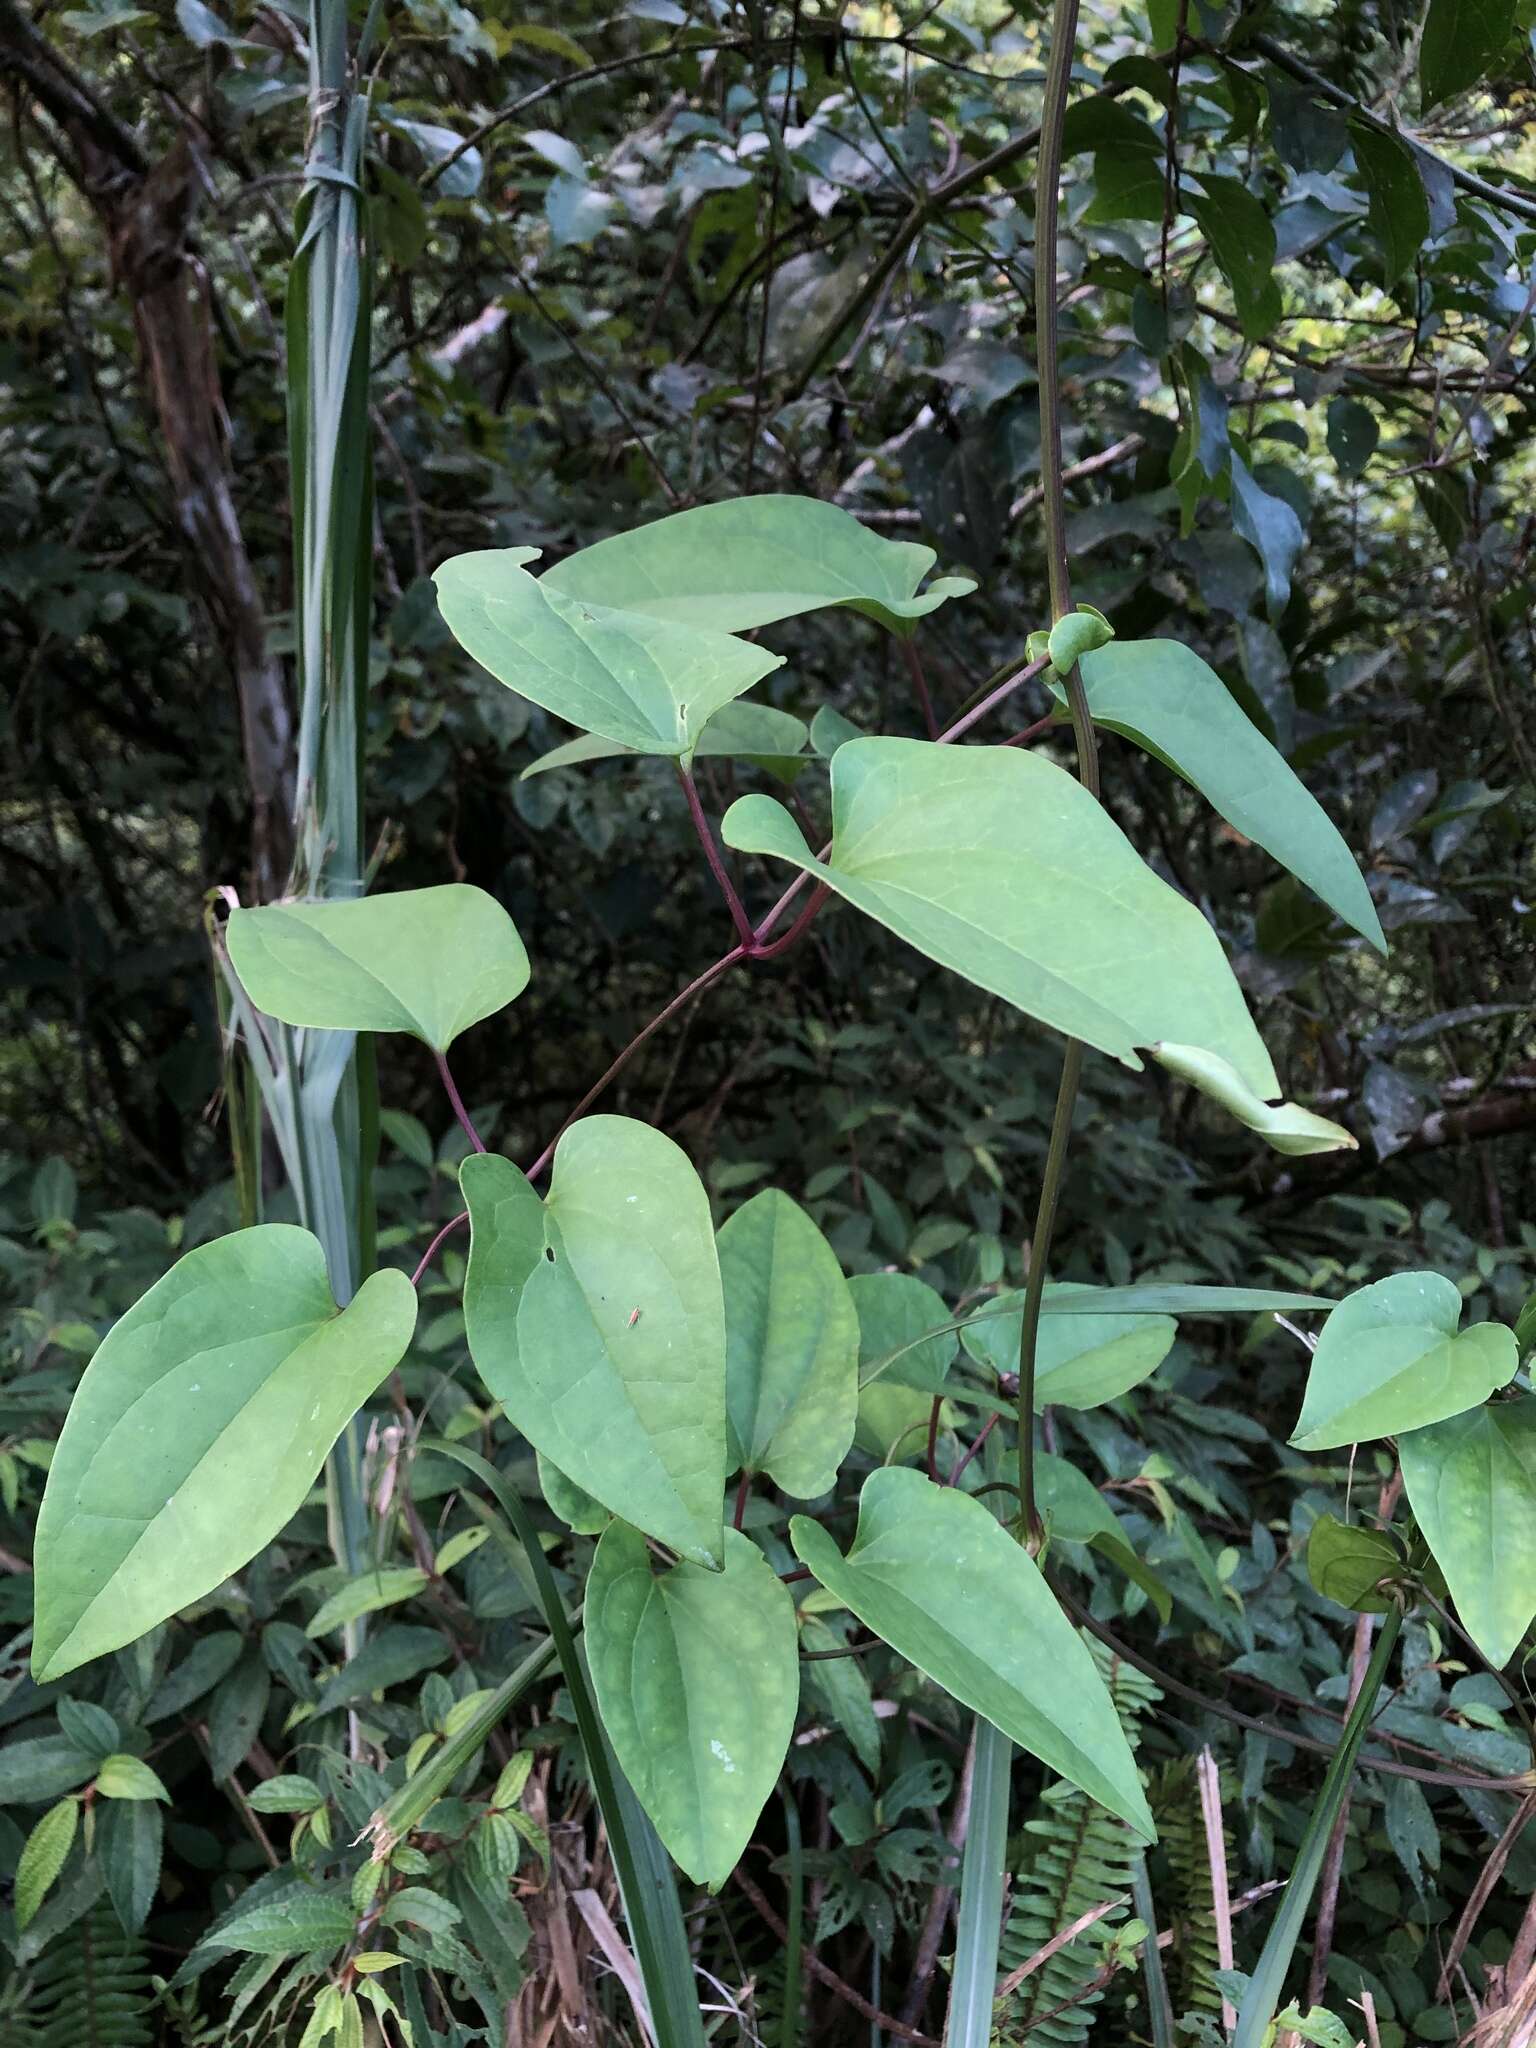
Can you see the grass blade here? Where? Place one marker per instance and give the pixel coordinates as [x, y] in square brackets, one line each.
[1261, 2001]
[1159, 2005]
[794, 1973]
[982, 1872]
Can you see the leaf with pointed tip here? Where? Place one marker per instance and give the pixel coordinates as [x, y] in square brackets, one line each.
[697, 1678]
[1285, 1126]
[369, 1593]
[198, 1430]
[936, 1577]
[1074, 1511]
[427, 961]
[1080, 1361]
[129, 1843]
[1242, 239]
[129, 1777]
[1348, 1563]
[791, 1346]
[1394, 190]
[1471, 1482]
[650, 683]
[1271, 528]
[1160, 694]
[1001, 866]
[595, 1317]
[741, 730]
[750, 561]
[572, 1503]
[1389, 1359]
[42, 1858]
[288, 1923]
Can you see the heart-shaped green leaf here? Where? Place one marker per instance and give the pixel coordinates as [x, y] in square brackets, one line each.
[1001, 866]
[1389, 1359]
[740, 731]
[936, 1577]
[647, 682]
[697, 1679]
[595, 1318]
[1160, 694]
[791, 1346]
[1080, 1361]
[1348, 1564]
[749, 561]
[197, 1431]
[1471, 1482]
[901, 1315]
[427, 961]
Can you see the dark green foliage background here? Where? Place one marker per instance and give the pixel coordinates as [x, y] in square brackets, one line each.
[749, 248]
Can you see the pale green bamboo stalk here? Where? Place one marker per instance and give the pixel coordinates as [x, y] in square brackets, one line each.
[322, 1088]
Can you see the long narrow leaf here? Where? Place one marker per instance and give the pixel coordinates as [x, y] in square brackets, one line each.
[982, 1872]
[794, 1861]
[419, 1794]
[1159, 2006]
[1262, 1998]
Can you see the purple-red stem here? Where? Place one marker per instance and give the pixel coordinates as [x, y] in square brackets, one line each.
[782, 944]
[717, 866]
[743, 1494]
[679, 1001]
[454, 1223]
[754, 941]
[458, 1104]
[933, 1438]
[991, 701]
[986, 1430]
[1031, 732]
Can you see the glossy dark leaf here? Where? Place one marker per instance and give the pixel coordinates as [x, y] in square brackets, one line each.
[1399, 211]
[1242, 239]
[1462, 40]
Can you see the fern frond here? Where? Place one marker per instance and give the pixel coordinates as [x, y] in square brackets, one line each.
[1175, 1801]
[1076, 1856]
[91, 1988]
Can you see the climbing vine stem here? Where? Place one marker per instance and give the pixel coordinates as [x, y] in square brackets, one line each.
[1053, 506]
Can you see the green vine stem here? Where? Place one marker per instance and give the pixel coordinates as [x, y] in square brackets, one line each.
[1047, 214]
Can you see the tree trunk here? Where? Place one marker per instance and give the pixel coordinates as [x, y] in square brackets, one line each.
[146, 212]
